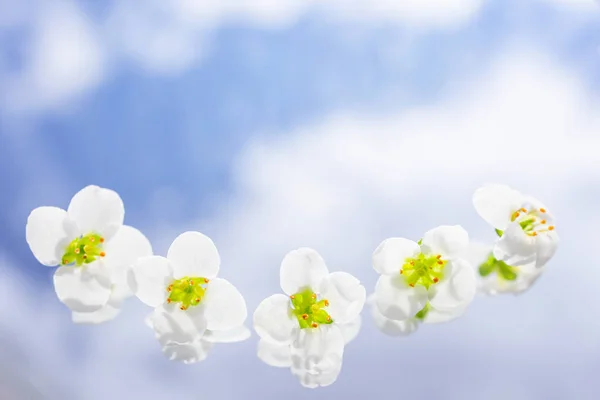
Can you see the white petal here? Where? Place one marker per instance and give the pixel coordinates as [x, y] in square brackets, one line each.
[273, 320]
[46, 234]
[237, 334]
[457, 288]
[173, 325]
[106, 313]
[496, 203]
[274, 355]
[449, 241]
[317, 355]
[515, 247]
[546, 245]
[82, 289]
[392, 253]
[301, 268]
[391, 327]
[123, 250]
[396, 300]
[223, 305]
[187, 353]
[435, 316]
[351, 329]
[149, 278]
[477, 253]
[345, 294]
[95, 209]
[194, 254]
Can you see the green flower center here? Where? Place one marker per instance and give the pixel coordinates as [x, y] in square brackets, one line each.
[84, 250]
[502, 269]
[423, 270]
[187, 291]
[532, 221]
[309, 312]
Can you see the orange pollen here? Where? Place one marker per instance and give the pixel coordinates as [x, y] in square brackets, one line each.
[102, 254]
[534, 234]
[169, 288]
[543, 210]
[92, 239]
[304, 316]
[440, 262]
[76, 251]
[326, 303]
[328, 318]
[551, 228]
[101, 240]
[436, 280]
[314, 325]
[191, 282]
[524, 210]
[412, 285]
[197, 300]
[412, 263]
[292, 297]
[169, 301]
[314, 296]
[543, 221]
[517, 214]
[401, 272]
[206, 280]
[183, 308]
[85, 256]
[438, 256]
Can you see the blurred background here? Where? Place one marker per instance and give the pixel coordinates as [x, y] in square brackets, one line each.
[275, 124]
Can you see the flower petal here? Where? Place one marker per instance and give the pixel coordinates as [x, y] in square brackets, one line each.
[398, 301]
[435, 316]
[317, 355]
[477, 253]
[345, 294]
[173, 325]
[274, 355]
[95, 209]
[149, 278]
[351, 329]
[187, 353]
[457, 289]
[496, 203]
[301, 268]
[82, 289]
[515, 247]
[449, 241]
[106, 313]
[546, 245]
[123, 250]
[237, 334]
[391, 254]
[223, 305]
[392, 327]
[45, 233]
[273, 320]
[194, 254]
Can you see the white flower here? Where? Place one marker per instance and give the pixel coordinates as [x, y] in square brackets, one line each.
[526, 227]
[93, 250]
[192, 307]
[306, 329]
[426, 282]
[496, 277]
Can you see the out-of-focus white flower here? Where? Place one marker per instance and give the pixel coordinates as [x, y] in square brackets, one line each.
[496, 276]
[306, 329]
[426, 281]
[525, 226]
[193, 308]
[93, 250]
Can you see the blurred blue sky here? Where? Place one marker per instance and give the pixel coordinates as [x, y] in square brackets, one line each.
[275, 125]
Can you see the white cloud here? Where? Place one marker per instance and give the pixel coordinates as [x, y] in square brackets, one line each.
[65, 58]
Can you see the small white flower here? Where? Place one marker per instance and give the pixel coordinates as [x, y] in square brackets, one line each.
[497, 277]
[93, 250]
[193, 308]
[306, 329]
[527, 229]
[426, 282]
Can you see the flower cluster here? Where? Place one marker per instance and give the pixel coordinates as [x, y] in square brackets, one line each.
[101, 262]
